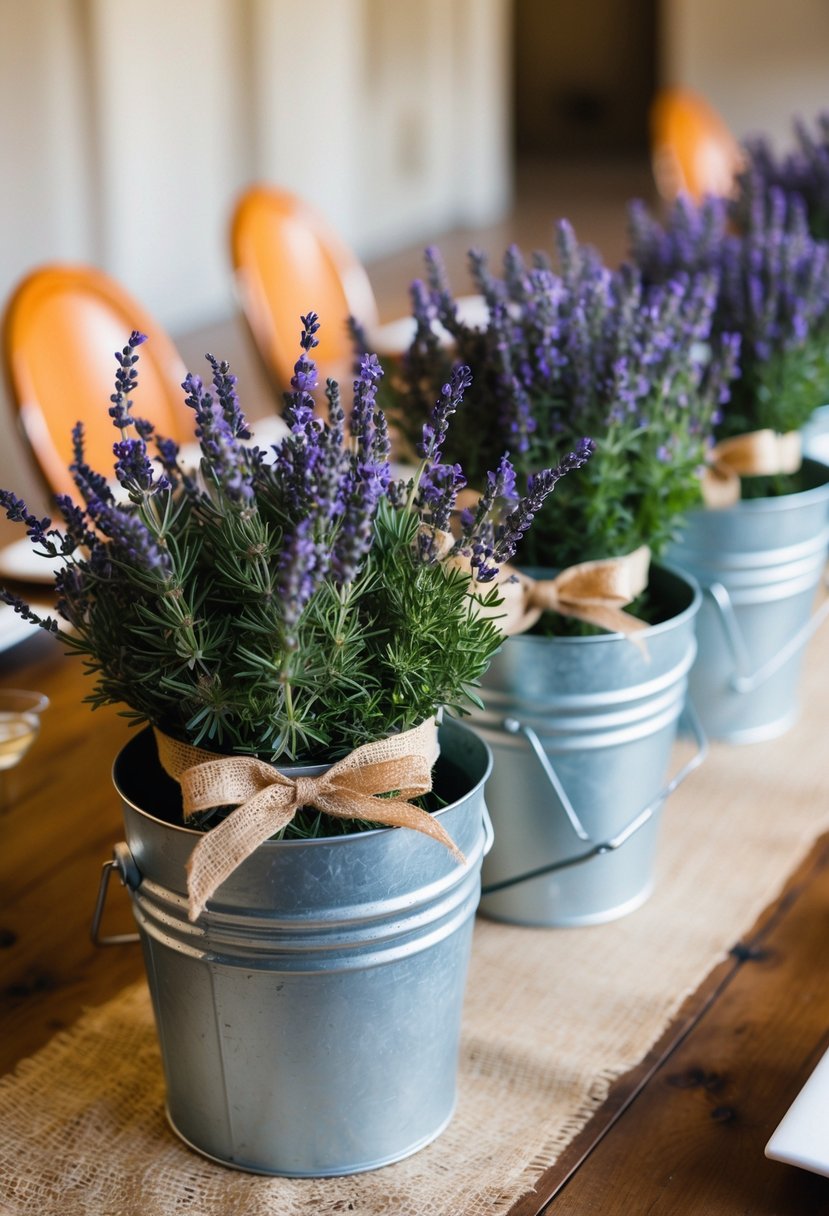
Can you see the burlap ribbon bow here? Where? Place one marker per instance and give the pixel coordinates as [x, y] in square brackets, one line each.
[596, 592]
[756, 454]
[266, 800]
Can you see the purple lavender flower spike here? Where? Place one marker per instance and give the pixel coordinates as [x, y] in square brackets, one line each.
[225, 385]
[770, 285]
[451, 396]
[133, 467]
[225, 456]
[168, 451]
[362, 492]
[132, 464]
[437, 493]
[802, 173]
[365, 397]
[503, 480]
[443, 303]
[359, 339]
[299, 404]
[423, 311]
[72, 586]
[540, 486]
[479, 547]
[364, 476]
[126, 380]
[74, 518]
[91, 485]
[131, 540]
[39, 531]
[490, 288]
[303, 565]
[22, 609]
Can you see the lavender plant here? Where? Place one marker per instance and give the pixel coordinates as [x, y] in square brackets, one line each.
[573, 351]
[773, 293]
[802, 172]
[289, 604]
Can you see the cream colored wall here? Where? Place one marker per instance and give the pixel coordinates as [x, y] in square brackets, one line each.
[759, 62]
[308, 85]
[126, 129]
[171, 147]
[44, 140]
[129, 128]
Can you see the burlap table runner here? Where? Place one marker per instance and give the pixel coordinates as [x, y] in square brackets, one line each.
[552, 1017]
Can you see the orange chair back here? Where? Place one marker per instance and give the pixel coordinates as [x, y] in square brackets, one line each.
[692, 150]
[61, 328]
[287, 262]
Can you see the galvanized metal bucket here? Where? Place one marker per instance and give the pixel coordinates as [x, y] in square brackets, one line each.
[309, 1021]
[581, 731]
[759, 564]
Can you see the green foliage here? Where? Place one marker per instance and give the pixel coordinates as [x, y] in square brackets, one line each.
[295, 607]
[199, 648]
[791, 385]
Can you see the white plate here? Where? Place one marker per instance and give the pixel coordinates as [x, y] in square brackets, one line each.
[395, 337]
[18, 561]
[264, 433]
[270, 429]
[803, 1136]
[13, 629]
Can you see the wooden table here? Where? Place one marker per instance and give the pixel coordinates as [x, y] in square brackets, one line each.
[683, 1133]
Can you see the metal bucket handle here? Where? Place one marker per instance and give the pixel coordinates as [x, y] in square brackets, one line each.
[514, 727]
[489, 831]
[744, 680]
[123, 861]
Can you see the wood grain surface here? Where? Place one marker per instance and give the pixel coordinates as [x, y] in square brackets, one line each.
[682, 1133]
[60, 818]
[686, 1134]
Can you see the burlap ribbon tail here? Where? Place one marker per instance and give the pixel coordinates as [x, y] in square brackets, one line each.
[762, 453]
[266, 800]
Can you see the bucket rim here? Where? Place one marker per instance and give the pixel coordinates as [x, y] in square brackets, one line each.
[342, 840]
[651, 631]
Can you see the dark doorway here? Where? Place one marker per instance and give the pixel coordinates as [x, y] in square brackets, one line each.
[585, 74]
